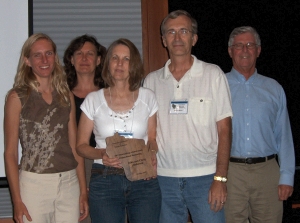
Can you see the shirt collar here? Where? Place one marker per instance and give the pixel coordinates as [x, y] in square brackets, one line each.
[168, 74]
[240, 77]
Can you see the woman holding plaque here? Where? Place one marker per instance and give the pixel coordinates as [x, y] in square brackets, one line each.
[126, 108]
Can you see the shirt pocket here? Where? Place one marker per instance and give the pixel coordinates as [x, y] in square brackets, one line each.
[267, 112]
[200, 110]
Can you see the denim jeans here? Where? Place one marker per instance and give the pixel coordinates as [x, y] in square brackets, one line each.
[180, 195]
[111, 195]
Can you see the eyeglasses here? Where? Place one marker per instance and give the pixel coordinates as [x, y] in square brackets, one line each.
[181, 32]
[240, 46]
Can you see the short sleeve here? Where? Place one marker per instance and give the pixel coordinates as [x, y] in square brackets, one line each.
[223, 97]
[151, 101]
[88, 106]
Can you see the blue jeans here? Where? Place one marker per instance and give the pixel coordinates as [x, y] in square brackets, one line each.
[180, 195]
[111, 195]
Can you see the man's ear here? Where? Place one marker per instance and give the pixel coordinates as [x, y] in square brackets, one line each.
[195, 39]
[164, 41]
[229, 52]
[258, 51]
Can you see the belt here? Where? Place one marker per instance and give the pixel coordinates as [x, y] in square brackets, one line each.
[109, 171]
[252, 160]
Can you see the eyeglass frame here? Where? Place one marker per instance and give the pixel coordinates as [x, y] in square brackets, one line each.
[181, 32]
[240, 46]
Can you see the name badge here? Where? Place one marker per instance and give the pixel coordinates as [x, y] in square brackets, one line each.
[127, 135]
[178, 107]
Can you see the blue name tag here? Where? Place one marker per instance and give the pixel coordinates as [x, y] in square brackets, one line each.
[128, 135]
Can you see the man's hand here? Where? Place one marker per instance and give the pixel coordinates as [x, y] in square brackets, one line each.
[284, 192]
[217, 195]
[152, 148]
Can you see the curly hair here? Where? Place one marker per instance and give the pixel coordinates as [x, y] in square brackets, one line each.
[75, 45]
[26, 81]
[136, 68]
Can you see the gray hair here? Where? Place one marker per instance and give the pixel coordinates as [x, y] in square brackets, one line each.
[174, 15]
[241, 30]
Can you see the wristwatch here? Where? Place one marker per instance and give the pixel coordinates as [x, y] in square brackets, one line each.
[219, 178]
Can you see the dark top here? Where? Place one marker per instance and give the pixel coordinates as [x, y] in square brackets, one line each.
[78, 102]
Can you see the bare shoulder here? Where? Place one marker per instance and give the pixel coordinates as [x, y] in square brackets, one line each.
[12, 109]
[12, 94]
[12, 99]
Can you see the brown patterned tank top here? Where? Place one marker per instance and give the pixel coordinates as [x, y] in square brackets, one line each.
[43, 134]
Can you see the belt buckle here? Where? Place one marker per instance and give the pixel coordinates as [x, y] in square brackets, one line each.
[248, 161]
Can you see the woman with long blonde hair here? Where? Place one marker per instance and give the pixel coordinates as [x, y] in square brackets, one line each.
[49, 184]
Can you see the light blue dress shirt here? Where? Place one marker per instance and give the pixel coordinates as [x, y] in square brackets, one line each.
[261, 125]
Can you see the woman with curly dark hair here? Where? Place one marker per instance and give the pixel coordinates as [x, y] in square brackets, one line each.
[83, 66]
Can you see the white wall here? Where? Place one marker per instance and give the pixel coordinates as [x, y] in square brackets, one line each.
[13, 33]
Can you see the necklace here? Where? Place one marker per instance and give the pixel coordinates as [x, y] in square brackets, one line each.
[123, 115]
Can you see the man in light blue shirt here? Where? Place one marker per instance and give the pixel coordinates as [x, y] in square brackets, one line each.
[257, 185]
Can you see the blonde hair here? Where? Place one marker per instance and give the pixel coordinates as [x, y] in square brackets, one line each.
[26, 81]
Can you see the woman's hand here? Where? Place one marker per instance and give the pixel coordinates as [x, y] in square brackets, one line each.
[84, 207]
[113, 162]
[20, 210]
[154, 162]
[12, 111]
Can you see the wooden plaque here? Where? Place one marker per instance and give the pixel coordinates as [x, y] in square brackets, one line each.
[133, 154]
